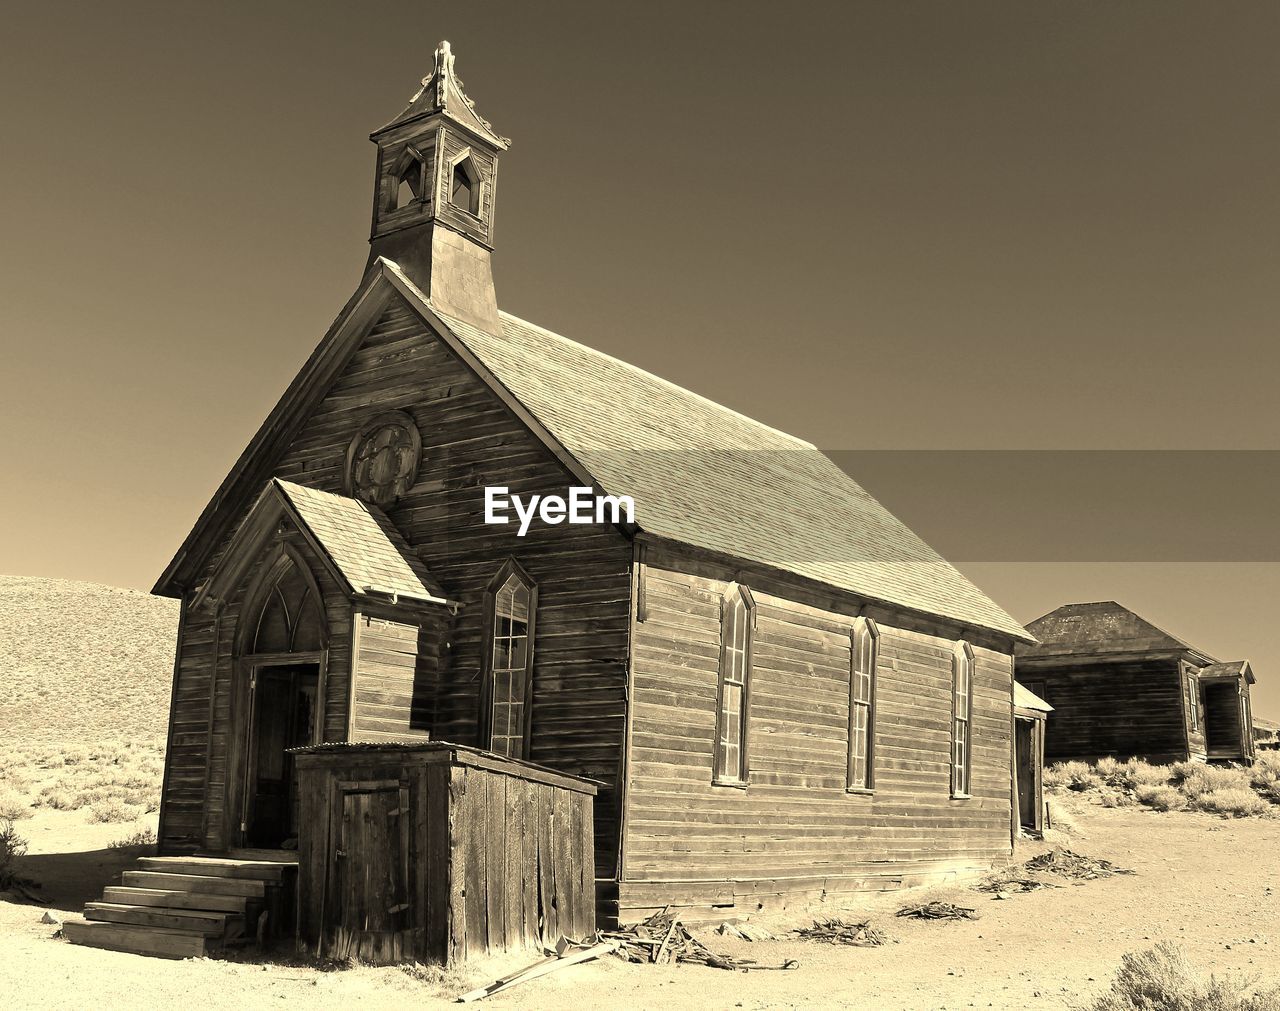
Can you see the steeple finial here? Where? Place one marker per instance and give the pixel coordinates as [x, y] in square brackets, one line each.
[444, 58]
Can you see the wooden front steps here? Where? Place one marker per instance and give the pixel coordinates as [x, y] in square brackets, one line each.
[189, 907]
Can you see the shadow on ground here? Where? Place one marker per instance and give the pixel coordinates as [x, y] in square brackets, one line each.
[68, 880]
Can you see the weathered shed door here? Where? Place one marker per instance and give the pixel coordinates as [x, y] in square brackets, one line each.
[369, 907]
[1025, 756]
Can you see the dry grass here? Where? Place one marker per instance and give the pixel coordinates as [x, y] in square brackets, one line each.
[1162, 979]
[87, 671]
[1229, 791]
[83, 661]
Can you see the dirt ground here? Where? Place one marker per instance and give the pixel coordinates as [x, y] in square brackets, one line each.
[1201, 881]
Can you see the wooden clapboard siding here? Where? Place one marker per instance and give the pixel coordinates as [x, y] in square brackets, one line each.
[396, 663]
[470, 439]
[795, 833]
[1196, 742]
[1111, 707]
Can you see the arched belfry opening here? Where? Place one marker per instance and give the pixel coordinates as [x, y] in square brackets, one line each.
[283, 641]
[464, 192]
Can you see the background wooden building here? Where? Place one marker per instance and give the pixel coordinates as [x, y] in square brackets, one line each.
[1121, 686]
[783, 692]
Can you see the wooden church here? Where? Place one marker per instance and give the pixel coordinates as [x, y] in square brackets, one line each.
[770, 689]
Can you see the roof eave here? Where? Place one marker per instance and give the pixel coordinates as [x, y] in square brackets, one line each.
[1021, 635]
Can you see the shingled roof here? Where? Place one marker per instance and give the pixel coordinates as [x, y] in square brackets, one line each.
[360, 545]
[1099, 627]
[1228, 668]
[705, 475]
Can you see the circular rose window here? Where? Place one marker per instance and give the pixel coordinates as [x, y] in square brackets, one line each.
[382, 461]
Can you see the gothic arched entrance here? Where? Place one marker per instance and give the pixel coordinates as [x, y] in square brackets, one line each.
[282, 645]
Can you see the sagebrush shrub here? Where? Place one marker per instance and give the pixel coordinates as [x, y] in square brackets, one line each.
[1078, 776]
[14, 805]
[1234, 802]
[113, 811]
[143, 839]
[1161, 797]
[1202, 779]
[1135, 774]
[12, 846]
[1162, 979]
[1265, 775]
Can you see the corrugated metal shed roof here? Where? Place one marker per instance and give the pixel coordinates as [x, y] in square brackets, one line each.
[705, 475]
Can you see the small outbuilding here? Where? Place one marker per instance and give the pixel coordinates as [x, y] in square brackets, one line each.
[433, 852]
[1030, 714]
[1122, 686]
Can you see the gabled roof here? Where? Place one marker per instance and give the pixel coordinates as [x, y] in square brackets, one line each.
[441, 94]
[361, 546]
[700, 474]
[1229, 668]
[1100, 627]
[705, 475]
[1024, 698]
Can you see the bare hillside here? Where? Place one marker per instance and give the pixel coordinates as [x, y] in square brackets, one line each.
[82, 662]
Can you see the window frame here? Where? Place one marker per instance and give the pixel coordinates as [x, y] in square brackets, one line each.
[729, 600]
[465, 163]
[485, 724]
[864, 630]
[962, 765]
[1191, 694]
[409, 166]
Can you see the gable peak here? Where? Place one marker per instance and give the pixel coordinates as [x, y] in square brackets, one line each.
[441, 94]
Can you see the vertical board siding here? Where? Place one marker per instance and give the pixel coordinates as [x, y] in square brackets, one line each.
[795, 833]
[497, 859]
[469, 440]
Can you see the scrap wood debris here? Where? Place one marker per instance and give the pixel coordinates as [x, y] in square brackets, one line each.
[663, 938]
[746, 931]
[1067, 864]
[1012, 880]
[1061, 862]
[843, 932]
[938, 911]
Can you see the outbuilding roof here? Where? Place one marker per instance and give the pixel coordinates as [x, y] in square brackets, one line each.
[1228, 668]
[1099, 627]
[1024, 698]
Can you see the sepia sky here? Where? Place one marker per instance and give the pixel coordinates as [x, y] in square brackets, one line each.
[1021, 226]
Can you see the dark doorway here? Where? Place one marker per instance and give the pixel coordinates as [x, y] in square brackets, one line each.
[1025, 756]
[284, 716]
[1222, 719]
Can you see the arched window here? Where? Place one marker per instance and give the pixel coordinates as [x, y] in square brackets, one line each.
[464, 189]
[509, 661]
[863, 650]
[290, 619]
[961, 723]
[737, 624]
